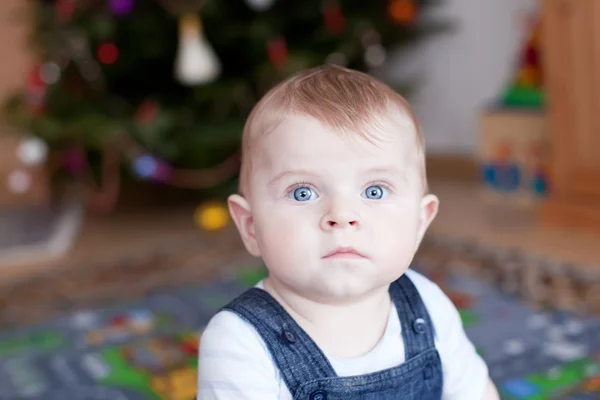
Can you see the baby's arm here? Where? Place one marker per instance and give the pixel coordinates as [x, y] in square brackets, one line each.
[233, 362]
[491, 393]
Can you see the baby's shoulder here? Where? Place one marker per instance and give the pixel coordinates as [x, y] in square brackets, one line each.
[230, 342]
[227, 329]
[233, 361]
[442, 311]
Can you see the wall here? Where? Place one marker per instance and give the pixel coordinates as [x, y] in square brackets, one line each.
[14, 57]
[465, 70]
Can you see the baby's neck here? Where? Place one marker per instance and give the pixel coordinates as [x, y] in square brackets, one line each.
[342, 330]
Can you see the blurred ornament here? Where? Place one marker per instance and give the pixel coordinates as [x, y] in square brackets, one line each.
[196, 61]
[32, 151]
[78, 44]
[403, 11]
[162, 172]
[370, 37]
[108, 53]
[145, 166]
[19, 181]
[75, 160]
[64, 10]
[147, 112]
[260, 5]
[334, 18]
[36, 91]
[212, 216]
[151, 168]
[375, 55]
[90, 70]
[277, 50]
[49, 73]
[35, 78]
[337, 58]
[120, 7]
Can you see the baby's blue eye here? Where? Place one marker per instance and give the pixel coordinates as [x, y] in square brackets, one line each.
[303, 193]
[374, 192]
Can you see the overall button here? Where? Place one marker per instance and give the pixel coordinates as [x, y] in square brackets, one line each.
[428, 372]
[289, 336]
[318, 395]
[419, 325]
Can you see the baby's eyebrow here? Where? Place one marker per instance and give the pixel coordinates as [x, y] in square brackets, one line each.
[285, 173]
[395, 172]
[392, 169]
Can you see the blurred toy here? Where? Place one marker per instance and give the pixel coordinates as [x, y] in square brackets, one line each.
[513, 156]
[527, 89]
[502, 173]
[538, 170]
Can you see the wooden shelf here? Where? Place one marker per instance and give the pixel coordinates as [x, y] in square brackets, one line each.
[571, 57]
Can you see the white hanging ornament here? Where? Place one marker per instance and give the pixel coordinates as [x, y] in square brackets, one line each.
[196, 61]
[19, 181]
[32, 151]
[260, 5]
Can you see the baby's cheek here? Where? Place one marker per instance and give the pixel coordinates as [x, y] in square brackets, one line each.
[285, 232]
[397, 233]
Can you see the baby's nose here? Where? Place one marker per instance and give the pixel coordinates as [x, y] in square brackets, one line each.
[340, 216]
[334, 223]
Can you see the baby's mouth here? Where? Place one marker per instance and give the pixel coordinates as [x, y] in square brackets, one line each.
[344, 253]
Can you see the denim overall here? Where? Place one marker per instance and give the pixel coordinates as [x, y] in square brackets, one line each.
[309, 375]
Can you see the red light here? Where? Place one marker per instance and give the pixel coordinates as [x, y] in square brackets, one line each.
[108, 53]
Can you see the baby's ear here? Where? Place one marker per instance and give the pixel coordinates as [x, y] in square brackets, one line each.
[429, 209]
[242, 216]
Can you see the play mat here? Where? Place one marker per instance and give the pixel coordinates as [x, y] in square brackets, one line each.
[147, 349]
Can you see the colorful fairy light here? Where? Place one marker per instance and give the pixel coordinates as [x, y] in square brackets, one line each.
[108, 53]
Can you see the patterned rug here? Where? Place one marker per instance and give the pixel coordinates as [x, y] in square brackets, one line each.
[146, 349]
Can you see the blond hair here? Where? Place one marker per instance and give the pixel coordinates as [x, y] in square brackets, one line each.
[341, 98]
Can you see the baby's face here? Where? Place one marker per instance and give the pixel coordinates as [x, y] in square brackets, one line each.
[335, 216]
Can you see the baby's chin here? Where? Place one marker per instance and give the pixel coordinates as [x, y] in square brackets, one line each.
[332, 290]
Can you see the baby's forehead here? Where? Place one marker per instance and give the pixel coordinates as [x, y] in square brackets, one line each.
[297, 132]
[388, 127]
[307, 143]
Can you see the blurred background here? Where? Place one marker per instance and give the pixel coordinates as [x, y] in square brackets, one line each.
[119, 142]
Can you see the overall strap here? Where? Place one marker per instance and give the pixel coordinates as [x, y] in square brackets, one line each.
[296, 355]
[417, 328]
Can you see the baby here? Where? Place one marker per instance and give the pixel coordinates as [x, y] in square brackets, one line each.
[334, 198]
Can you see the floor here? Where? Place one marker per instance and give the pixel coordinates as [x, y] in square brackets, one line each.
[465, 214]
[146, 348]
[462, 214]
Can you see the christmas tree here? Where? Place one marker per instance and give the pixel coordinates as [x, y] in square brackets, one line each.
[163, 87]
